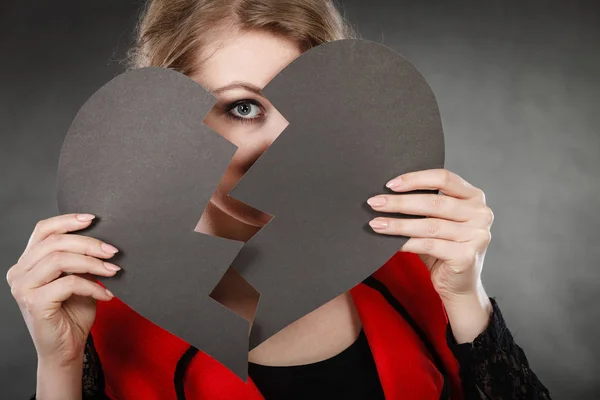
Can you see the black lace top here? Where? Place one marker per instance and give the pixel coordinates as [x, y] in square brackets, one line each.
[493, 366]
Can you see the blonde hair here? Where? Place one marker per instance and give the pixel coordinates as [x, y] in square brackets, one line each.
[170, 33]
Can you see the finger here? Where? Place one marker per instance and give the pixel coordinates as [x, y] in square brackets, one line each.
[452, 253]
[52, 295]
[484, 217]
[424, 228]
[436, 179]
[61, 289]
[48, 299]
[55, 264]
[59, 224]
[71, 243]
[431, 205]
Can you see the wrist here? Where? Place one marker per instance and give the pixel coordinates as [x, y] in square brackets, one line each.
[58, 380]
[468, 314]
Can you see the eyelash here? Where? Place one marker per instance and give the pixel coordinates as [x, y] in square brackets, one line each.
[233, 105]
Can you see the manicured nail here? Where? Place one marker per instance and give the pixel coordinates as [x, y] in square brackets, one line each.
[109, 293]
[394, 183]
[378, 223]
[377, 201]
[111, 267]
[109, 249]
[85, 217]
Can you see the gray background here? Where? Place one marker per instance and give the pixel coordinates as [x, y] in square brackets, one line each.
[518, 88]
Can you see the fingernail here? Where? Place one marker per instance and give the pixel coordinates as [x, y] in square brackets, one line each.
[85, 217]
[378, 223]
[109, 249]
[394, 183]
[377, 201]
[109, 293]
[111, 267]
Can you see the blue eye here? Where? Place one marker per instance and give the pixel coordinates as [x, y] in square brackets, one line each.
[245, 110]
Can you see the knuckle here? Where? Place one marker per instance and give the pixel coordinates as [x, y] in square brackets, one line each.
[429, 244]
[397, 224]
[491, 216]
[29, 302]
[437, 202]
[56, 259]
[433, 227]
[481, 195]
[485, 235]
[70, 281]
[15, 290]
[10, 275]
[56, 239]
[446, 177]
[398, 200]
[40, 226]
[53, 237]
[488, 216]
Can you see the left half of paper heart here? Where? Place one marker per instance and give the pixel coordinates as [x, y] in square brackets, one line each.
[139, 157]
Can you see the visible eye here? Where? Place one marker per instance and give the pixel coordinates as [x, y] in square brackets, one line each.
[245, 110]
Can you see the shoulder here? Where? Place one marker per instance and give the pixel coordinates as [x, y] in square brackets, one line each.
[405, 321]
[409, 281]
[137, 356]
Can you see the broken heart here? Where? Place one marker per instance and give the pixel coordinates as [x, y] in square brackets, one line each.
[139, 157]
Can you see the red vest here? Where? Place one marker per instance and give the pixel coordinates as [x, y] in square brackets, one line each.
[138, 358]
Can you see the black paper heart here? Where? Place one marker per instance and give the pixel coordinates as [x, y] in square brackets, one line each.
[138, 156]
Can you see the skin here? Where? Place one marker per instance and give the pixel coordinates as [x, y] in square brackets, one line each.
[59, 308]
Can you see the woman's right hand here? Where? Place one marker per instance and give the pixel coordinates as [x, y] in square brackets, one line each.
[53, 284]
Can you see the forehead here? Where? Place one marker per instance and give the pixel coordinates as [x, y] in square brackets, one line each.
[254, 56]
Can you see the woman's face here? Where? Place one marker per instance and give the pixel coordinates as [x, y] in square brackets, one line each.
[235, 72]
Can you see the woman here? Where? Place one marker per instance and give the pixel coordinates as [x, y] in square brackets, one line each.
[421, 327]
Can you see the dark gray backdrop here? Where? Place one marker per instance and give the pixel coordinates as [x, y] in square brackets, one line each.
[518, 88]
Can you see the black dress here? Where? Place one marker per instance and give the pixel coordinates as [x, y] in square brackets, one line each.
[493, 366]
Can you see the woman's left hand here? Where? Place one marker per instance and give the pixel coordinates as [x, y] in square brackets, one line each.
[452, 240]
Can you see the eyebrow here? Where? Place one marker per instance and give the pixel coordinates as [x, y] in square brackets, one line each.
[237, 85]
